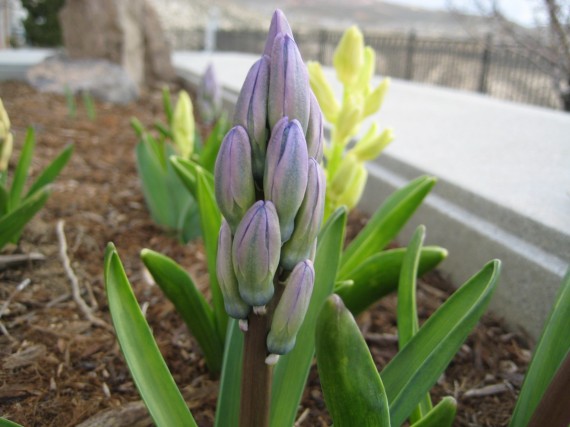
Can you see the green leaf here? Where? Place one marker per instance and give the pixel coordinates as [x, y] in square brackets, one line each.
[385, 224]
[551, 350]
[167, 104]
[187, 171]
[290, 374]
[50, 173]
[212, 146]
[164, 131]
[12, 224]
[21, 173]
[7, 423]
[150, 373]
[138, 127]
[408, 323]
[228, 407]
[352, 388]
[414, 370]
[442, 415]
[89, 106]
[378, 275]
[4, 200]
[179, 288]
[211, 221]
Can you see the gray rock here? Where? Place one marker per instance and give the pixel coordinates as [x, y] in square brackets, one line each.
[101, 78]
[126, 32]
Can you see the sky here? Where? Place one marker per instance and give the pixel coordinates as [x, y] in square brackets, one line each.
[520, 11]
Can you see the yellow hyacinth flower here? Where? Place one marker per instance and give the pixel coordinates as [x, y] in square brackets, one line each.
[323, 91]
[372, 144]
[6, 141]
[349, 182]
[348, 121]
[375, 100]
[183, 125]
[349, 56]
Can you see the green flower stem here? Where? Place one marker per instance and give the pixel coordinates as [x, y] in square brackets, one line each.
[256, 374]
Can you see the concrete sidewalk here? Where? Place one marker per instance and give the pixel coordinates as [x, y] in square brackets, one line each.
[503, 174]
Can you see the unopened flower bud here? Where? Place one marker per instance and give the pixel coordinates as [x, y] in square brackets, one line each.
[288, 83]
[291, 309]
[349, 119]
[372, 144]
[308, 220]
[314, 136]
[348, 184]
[286, 167]
[209, 96]
[279, 25]
[255, 253]
[251, 111]
[6, 141]
[183, 125]
[323, 91]
[235, 190]
[235, 306]
[366, 73]
[349, 56]
[375, 99]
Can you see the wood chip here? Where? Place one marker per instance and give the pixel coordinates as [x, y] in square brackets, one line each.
[488, 390]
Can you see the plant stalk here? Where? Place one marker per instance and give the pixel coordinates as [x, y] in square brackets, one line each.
[256, 375]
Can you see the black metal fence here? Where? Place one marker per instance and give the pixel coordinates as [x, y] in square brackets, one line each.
[499, 70]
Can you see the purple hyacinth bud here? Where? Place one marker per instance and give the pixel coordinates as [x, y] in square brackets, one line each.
[235, 306]
[255, 253]
[288, 83]
[235, 191]
[286, 167]
[251, 111]
[209, 96]
[291, 309]
[308, 220]
[279, 25]
[314, 134]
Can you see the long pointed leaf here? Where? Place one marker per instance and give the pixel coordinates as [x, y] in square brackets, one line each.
[552, 348]
[150, 373]
[4, 200]
[352, 388]
[22, 169]
[385, 224]
[12, 224]
[378, 275]
[442, 414]
[50, 173]
[180, 289]
[7, 423]
[212, 146]
[228, 407]
[291, 372]
[408, 323]
[211, 220]
[415, 369]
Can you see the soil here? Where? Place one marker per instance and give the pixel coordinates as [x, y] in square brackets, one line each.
[58, 368]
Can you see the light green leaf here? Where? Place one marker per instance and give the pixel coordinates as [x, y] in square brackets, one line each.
[167, 104]
[211, 220]
[291, 372]
[150, 373]
[408, 323]
[4, 200]
[12, 224]
[352, 388]
[138, 127]
[212, 146]
[378, 275]
[442, 415]
[551, 350]
[414, 370]
[179, 288]
[50, 173]
[228, 407]
[21, 172]
[385, 224]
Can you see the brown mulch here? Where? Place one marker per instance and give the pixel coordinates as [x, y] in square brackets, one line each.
[59, 369]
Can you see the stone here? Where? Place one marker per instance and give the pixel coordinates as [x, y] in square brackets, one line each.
[125, 32]
[101, 78]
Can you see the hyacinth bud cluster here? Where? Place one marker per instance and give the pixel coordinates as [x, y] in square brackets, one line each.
[270, 189]
[209, 96]
[6, 139]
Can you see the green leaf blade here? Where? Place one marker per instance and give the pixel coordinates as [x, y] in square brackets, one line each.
[180, 289]
[12, 224]
[352, 388]
[442, 414]
[22, 169]
[150, 373]
[51, 172]
[412, 372]
[385, 224]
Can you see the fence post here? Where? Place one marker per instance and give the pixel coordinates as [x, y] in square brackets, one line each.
[485, 64]
[322, 40]
[409, 71]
